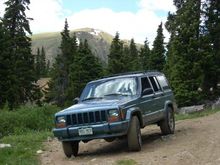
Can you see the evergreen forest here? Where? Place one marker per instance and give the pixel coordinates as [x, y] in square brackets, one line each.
[190, 60]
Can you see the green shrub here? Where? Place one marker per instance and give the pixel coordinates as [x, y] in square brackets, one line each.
[27, 119]
[23, 148]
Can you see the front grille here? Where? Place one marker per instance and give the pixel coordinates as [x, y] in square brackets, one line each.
[87, 118]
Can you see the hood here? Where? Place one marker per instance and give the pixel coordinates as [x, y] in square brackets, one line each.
[91, 105]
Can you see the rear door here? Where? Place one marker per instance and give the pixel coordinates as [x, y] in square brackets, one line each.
[146, 101]
[158, 97]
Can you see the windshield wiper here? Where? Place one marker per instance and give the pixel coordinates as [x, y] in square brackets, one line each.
[116, 94]
[91, 98]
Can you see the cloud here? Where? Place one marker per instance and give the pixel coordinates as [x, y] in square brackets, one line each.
[2, 7]
[49, 16]
[139, 25]
[157, 5]
[130, 25]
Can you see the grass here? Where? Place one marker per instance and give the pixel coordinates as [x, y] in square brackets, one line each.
[27, 118]
[24, 147]
[206, 112]
[126, 162]
[25, 129]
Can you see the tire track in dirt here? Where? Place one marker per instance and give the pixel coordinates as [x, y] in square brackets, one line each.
[195, 141]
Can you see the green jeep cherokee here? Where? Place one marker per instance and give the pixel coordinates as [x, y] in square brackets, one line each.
[115, 107]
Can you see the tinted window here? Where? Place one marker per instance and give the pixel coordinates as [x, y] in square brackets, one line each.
[163, 82]
[145, 83]
[155, 84]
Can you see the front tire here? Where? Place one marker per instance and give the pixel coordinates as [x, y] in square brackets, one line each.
[134, 135]
[70, 148]
[167, 125]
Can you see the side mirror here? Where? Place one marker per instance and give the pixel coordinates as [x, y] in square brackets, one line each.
[76, 100]
[147, 91]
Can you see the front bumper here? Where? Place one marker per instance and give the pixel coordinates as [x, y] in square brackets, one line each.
[100, 131]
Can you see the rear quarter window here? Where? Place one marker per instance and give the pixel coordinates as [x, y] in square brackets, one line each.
[163, 82]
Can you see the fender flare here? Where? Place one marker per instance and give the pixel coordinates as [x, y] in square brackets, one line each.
[134, 111]
[170, 104]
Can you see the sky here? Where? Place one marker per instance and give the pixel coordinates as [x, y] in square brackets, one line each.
[138, 19]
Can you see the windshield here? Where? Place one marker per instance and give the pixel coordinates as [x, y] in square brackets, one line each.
[114, 87]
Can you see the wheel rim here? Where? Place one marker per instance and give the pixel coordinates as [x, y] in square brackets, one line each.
[139, 137]
[171, 120]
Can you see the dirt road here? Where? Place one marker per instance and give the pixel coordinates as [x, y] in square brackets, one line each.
[195, 141]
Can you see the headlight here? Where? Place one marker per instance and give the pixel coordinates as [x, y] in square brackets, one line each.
[61, 119]
[113, 115]
[61, 122]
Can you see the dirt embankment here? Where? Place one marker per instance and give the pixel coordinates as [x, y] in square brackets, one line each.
[195, 142]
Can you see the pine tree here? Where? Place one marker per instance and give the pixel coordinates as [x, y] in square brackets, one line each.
[115, 58]
[40, 63]
[183, 51]
[22, 79]
[133, 57]
[60, 90]
[48, 68]
[171, 26]
[144, 56]
[43, 62]
[5, 63]
[86, 67]
[59, 82]
[55, 92]
[210, 44]
[77, 73]
[37, 63]
[125, 61]
[157, 55]
[2, 38]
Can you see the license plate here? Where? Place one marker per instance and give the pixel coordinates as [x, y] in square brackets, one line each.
[85, 131]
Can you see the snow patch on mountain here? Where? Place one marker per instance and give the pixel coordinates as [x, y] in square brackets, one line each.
[95, 32]
[77, 41]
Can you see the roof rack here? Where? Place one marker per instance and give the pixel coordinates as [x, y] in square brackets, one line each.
[129, 73]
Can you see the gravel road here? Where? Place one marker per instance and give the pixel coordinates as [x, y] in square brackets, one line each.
[195, 142]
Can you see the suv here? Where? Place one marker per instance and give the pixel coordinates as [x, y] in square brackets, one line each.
[115, 107]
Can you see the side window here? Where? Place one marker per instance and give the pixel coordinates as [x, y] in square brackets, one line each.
[155, 84]
[163, 82]
[158, 84]
[145, 83]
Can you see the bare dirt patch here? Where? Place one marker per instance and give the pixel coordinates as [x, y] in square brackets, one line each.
[195, 141]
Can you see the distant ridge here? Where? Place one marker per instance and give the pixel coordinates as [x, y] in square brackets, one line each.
[98, 40]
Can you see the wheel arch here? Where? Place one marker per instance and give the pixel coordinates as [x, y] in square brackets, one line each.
[169, 104]
[135, 112]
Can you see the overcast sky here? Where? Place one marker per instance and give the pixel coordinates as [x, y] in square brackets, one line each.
[136, 19]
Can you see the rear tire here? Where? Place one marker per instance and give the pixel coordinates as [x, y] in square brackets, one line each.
[134, 135]
[70, 148]
[167, 125]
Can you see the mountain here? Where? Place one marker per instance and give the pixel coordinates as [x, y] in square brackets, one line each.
[98, 40]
